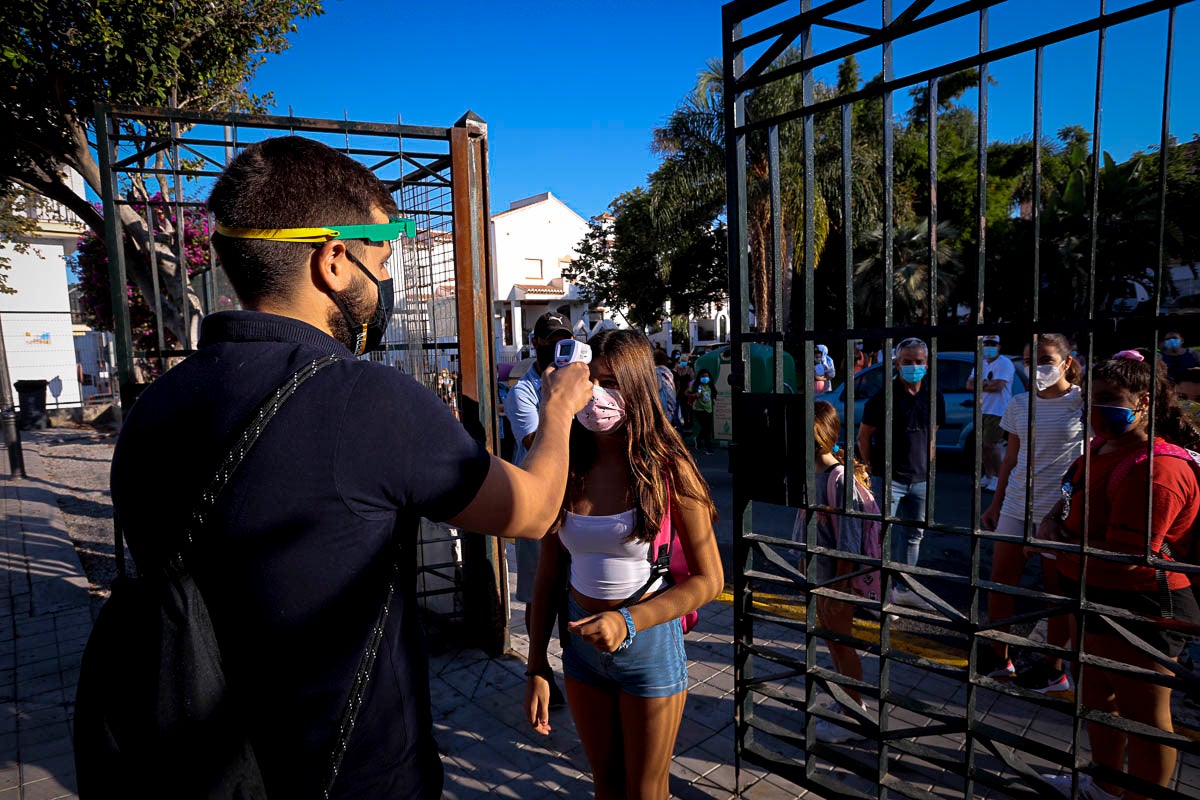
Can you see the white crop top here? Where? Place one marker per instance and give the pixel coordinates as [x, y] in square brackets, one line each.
[605, 564]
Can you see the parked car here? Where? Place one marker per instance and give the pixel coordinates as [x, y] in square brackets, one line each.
[953, 369]
[1187, 304]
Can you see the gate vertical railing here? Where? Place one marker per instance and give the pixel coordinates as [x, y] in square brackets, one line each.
[439, 333]
[937, 724]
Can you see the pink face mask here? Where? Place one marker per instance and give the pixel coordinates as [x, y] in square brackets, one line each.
[604, 412]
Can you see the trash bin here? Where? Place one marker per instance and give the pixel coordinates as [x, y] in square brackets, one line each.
[31, 402]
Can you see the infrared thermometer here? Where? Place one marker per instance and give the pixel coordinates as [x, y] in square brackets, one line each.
[571, 350]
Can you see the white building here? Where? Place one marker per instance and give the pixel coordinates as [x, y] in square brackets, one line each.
[534, 240]
[38, 336]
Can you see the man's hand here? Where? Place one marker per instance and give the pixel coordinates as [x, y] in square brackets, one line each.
[605, 631]
[537, 703]
[569, 388]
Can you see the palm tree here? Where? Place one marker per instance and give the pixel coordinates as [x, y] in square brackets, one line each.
[692, 175]
[910, 279]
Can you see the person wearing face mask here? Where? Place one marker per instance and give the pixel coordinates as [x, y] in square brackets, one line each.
[685, 373]
[1187, 389]
[823, 370]
[1176, 357]
[1058, 442]
[314, 535]
[1122, 496]
[703, 396]
[623, 652]
[913, 441]
[997, 391]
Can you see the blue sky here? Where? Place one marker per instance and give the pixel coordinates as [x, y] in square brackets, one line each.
[573, 91]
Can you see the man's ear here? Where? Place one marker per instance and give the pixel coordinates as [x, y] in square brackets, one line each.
[330, 268]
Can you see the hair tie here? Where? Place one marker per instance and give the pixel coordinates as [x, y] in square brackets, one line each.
[1132, 355]
[835, 449]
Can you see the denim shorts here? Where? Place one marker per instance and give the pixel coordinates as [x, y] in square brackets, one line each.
[654, 665]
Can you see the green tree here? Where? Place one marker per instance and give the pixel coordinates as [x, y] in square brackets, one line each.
[911, 276]
[59, 57]
[635, 260]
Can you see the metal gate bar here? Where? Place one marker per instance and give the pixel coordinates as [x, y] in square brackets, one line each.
[776, 657]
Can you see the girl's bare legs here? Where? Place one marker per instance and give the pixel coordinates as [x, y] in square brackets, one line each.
[598, 720]
[650, 725]
[839, 617]
[1138, 700]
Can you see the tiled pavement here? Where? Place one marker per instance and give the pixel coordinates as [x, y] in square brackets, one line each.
[44, 625]
[488, 749]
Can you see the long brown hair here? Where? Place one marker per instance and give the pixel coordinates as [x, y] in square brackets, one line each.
[657, 455]
[826, 429]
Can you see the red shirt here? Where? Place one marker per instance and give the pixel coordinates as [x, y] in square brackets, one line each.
[1117, 518]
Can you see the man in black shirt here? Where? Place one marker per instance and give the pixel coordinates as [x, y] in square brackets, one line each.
[297, 554]
[1177, 358]
[912, 446]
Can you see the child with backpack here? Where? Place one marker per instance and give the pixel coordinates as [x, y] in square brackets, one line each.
[849, 534]
[1121, 492]
[631, 480]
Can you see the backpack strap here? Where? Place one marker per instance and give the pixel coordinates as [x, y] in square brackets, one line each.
[659, 554]
[830, 494]
[258, 423]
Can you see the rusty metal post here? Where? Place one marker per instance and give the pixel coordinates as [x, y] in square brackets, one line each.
[485, 585]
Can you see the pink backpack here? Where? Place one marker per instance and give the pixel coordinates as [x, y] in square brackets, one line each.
[867, 584]
[667, 562]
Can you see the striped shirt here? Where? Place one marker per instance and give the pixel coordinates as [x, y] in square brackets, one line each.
[1058, 441]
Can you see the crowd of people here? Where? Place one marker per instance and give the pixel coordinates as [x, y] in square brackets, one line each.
[1042, 456]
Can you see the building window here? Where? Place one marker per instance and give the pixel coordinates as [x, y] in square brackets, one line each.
[566, 268]
[533, 268]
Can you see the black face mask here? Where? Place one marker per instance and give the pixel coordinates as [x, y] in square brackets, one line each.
[368, 335]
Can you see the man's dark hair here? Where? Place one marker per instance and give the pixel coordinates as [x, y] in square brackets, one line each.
[287, 182]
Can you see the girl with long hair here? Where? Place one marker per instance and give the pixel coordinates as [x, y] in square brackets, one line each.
[623, 654]
[843, 534]
[1059, 441]
[1122, 495]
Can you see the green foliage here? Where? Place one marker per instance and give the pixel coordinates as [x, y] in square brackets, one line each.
[636, 260]
[59, 57]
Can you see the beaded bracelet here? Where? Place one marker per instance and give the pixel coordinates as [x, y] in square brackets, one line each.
[629, 627]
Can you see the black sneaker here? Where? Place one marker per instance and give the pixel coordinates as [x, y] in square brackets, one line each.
[992, 666]
[1042, 678]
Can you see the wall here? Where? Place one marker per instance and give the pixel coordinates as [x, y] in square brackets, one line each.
[37, 319]
[547, 230]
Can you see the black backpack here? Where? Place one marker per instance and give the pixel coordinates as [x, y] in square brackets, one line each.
[154, 713]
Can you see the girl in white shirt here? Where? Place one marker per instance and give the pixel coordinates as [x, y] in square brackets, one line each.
[1059, 439]
[625, 665]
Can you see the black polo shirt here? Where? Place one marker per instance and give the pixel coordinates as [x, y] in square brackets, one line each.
[295, 563]
[910, 431]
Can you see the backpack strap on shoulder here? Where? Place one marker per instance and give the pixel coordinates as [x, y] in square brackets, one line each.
[659, 554]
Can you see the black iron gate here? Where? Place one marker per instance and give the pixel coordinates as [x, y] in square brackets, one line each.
[860, 226]
[157, 168]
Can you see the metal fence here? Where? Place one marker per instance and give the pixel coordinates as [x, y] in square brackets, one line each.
[835, 237]
[158, 167]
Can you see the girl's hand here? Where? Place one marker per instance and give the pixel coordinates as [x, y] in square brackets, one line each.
[1051, 529]
[605, 631]
[537, 703]
[990, 518]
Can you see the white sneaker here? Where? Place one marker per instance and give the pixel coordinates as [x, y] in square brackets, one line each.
[903, 596]
[832, 733]
[988, 483]
[1087, 787]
